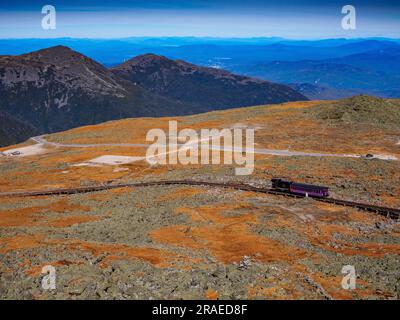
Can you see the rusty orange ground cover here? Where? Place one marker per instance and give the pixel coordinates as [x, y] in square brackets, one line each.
[223, 231]
[227, 238]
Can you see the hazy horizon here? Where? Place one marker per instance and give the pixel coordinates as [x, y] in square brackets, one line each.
[305, 19]
[259, 38]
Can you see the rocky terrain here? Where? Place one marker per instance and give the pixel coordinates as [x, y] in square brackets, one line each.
[57, 88]
[182, 242]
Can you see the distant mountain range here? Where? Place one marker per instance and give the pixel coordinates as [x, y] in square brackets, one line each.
[57, 88]
[200, 50]
[319, 92]
[373, 72]
[323, 69]
[340, 79]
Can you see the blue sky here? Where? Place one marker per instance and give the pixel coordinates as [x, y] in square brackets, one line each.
[307, 19]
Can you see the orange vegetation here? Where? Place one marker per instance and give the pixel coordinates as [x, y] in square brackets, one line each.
[332, 284]
[21, 241]
[279, 292]
[228, 238]
[121, 252]
[282, 126]
[211, 294]
[34, 216]
[35, 271]
[323, 233]
[112, 252]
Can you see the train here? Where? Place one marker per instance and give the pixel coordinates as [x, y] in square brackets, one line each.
[307, 190]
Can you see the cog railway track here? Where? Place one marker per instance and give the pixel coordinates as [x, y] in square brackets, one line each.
[392, 213]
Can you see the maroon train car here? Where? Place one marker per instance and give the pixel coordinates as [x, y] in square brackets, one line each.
[309, 190]
[301, 188]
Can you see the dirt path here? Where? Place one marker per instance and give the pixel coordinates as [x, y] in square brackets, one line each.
[274, 152]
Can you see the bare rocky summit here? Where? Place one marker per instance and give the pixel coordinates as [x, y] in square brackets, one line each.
[205, 87]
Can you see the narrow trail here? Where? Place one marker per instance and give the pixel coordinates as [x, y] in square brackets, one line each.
[274, 152]
[42, 140]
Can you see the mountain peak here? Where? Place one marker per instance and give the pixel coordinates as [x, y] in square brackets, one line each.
[58, 48]
[62, 68]
[150, 62]
[150, 56]
[145, 60]
[58, 55]
[209, 87]
[51, 51]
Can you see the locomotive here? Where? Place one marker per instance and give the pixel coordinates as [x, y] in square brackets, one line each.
[307, 190]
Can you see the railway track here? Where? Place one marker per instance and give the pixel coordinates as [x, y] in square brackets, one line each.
[392, 213]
